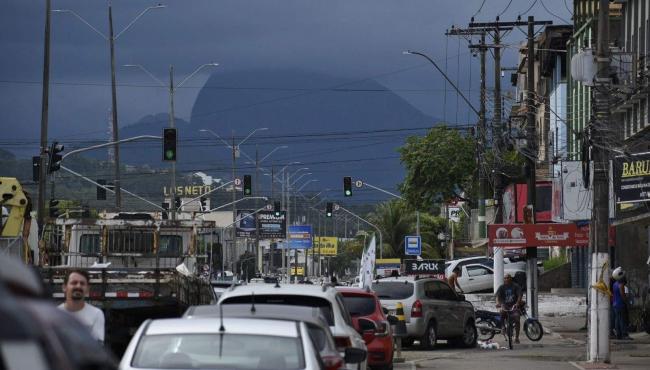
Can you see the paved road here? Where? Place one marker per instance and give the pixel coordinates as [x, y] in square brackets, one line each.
[553, 352]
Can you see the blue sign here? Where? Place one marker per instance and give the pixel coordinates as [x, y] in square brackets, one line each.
[412, 245]
[299, 237]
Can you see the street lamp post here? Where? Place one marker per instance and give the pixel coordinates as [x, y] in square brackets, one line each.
[235, 153]
[172, 121]
[111, 39]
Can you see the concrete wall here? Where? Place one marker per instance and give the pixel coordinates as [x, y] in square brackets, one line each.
[559, 277]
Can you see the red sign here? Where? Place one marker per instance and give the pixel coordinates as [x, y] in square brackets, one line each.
[536, 235]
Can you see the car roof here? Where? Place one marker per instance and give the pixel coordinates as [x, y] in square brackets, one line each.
[211, 325]
[291, 289]
[310, 315]
[355, 291]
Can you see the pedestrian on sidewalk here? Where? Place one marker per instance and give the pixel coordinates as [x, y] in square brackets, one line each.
[620, 304]
[76, 286]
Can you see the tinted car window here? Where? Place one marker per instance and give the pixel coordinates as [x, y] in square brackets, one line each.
[218, 351]
[393, 289]
[359, 305]
[291, 300]
[344, 311]
[431, 290]
[444, 291]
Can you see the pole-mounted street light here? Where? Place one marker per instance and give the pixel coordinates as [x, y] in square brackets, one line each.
[172, 121]
[111, 41]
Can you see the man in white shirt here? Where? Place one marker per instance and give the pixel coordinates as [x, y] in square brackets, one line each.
[76, 287]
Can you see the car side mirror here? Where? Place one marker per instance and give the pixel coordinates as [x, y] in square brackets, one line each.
[354, 355]
[366, 325]
[392, 320]
[368, 336]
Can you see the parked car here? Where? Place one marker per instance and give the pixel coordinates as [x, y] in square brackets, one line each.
[432, 310]
[327, 299]
[364, 304]
[316, 323]
[477, 273]
[221, 343]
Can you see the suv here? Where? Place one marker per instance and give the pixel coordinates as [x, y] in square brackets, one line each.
[432, 310]
[364, 304]
[327, 299]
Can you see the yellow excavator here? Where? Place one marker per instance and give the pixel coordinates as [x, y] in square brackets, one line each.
[15, 218]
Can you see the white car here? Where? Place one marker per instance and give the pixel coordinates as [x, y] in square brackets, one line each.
[325, 298]
[215, 343]
[477, 273]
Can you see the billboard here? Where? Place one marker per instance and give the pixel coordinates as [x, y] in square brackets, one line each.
[326, 245]
[386, 266]
[246, 226]
[299, 237]
[536, 235]
[632, 178]
[272, 226]
[425, 267]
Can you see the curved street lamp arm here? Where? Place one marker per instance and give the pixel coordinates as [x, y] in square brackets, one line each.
[445, 76]
[195, 72]
[109, 144]
[82, 20]
[251, 134]
[147, 72]
[159, 6]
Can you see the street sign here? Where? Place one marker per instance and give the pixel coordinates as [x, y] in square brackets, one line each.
[425, 267]
[269, 207]
[336, 207]
[412, 245]
[237, 181]
[358, 183]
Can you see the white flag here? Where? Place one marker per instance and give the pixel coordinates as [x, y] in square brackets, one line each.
[367, 265]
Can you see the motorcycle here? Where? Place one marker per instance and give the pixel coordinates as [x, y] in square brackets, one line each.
[488, 324]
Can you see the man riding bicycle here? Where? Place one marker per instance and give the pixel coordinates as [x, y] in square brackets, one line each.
[508, 296]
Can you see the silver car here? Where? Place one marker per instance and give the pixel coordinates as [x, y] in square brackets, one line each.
[432, 310]
[221, 343]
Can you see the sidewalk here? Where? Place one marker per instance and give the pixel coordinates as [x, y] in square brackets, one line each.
[624, 354]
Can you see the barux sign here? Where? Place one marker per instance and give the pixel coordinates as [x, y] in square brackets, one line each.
[425, 267]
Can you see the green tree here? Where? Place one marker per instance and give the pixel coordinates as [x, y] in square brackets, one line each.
[439, 166]
[395, 220]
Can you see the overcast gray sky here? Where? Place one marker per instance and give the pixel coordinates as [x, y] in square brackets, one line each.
[354, 39]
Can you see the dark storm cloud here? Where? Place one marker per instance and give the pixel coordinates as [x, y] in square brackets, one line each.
[354, 39]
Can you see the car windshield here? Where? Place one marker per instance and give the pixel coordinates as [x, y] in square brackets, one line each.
[393, 289]
[218, 351]
[291, 300]
[359, 305]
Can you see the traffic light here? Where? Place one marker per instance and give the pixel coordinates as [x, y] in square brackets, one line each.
[169, 144]
[36, 168]
[347, 186]
[328, 210]
[165, 207]
[55, 157]
[277, 209]
[101, 192]
[248, 183]
[54, 208]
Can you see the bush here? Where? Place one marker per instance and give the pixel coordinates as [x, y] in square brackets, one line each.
[554, 262]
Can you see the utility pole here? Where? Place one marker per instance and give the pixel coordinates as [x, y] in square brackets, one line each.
[531, 157]
[234, 198]
[497, 27]
[172, 124]
[258, 253]
[42, 172]
[116, 150]
[598, 230]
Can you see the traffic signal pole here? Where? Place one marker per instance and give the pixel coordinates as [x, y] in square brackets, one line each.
[42, 179]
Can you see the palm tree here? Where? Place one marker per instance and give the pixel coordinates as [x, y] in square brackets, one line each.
[395, 220]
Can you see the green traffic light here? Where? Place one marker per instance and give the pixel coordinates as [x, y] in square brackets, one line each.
[348, 193]
[169, 154]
